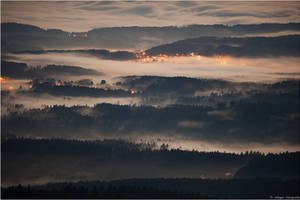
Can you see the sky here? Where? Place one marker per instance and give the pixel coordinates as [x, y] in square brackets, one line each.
[83, 16]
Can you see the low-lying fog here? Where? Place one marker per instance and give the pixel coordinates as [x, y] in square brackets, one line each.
[221, 67]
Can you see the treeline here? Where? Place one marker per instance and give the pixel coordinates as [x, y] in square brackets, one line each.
[26, 160]
[22, 37]
[50, 86]
[58, 146]
[243, 121]
[29, 161]
[184, 90]
[235, 47]
[160, 188]
[23, 71]
[283, 165]
[100, 53]
[120, 148]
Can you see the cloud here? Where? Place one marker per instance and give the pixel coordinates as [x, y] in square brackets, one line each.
[186, 3]
[110, 14]
[140, 10]
[100, 53]
[225, 114]
[259, 14]
[192, 124]
[99, 8]
[65, 18]
[204, 8]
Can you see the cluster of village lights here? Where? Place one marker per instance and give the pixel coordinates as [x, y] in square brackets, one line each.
[143, 57]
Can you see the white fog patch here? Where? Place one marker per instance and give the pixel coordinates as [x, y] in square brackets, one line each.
[225, 114]
[227, 68]
[192, 124]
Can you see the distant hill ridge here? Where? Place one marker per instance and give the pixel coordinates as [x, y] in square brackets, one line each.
[21, 37]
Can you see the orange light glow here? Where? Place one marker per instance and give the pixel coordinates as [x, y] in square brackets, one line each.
[2, 78]
[11, 88]
[222, 60]
[30, 86]
[143, 57]
[59, 84]
[132, 91]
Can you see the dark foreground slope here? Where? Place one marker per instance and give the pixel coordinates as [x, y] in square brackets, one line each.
[40, 161]
[29, 161]
[282, 165]
[160, 188]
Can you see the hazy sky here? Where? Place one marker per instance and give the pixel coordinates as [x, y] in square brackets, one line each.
[83, 16]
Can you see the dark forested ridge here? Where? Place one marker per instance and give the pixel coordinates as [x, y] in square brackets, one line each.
[235, 47]
[23, 71]
[74, 89]
[100, 53]
[31, 160]
[26, 161]
[22, 37]
[160, 188]
[283, 165]
[255, 119]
